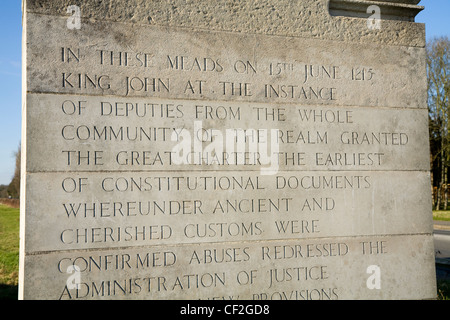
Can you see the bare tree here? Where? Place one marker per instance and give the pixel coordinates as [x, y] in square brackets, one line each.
[438, 73]
[14, 186]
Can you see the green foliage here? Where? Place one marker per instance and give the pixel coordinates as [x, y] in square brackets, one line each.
[3, 191]
[443, 288]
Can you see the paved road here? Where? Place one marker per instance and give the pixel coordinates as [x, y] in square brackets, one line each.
[442, 249]
[442, 243]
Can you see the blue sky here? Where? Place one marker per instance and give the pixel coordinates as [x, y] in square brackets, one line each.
[10, 85]
[436, 16]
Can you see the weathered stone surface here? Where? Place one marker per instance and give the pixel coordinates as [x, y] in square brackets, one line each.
[138, 209]
[302, 269]
[225, 149]
[144, 134]
[306, 18]
[176, 63]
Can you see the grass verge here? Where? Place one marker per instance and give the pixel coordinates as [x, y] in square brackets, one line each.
[441, 215]
[9, 252]
[443, 288]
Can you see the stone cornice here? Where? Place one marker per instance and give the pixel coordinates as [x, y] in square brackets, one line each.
[403, 10]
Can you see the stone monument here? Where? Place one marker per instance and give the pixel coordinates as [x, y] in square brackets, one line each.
[225, 150]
